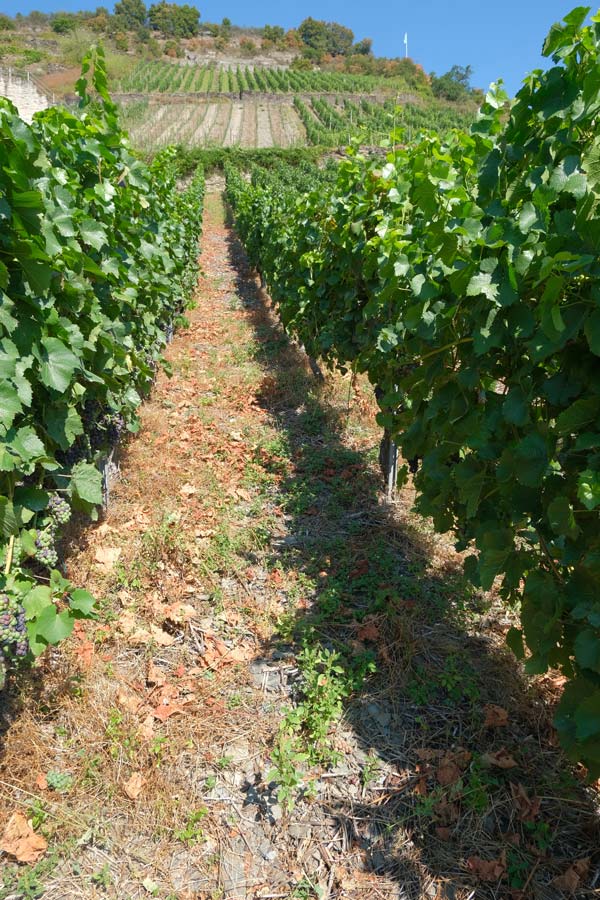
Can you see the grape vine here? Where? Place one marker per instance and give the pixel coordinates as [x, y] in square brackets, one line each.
[462, 275]
[98, 256]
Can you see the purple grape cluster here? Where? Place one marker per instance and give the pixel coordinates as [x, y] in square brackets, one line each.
[59, 510]
[106, 430]
[45, 550]
[13, 638]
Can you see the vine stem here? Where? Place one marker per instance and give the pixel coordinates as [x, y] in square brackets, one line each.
[9, 554]
[447, 347]
[546, 550]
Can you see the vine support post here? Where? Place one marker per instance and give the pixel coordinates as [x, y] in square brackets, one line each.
[392, 470]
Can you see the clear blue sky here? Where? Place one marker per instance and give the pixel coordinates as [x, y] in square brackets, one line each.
[499, 40]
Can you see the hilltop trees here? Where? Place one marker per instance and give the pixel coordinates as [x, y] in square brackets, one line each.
[174, 20]
[454, 85]
[329, 38]
[131, 14]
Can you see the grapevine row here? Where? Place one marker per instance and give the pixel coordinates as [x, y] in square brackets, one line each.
[97, 259]
[462, 275]
[160, 76]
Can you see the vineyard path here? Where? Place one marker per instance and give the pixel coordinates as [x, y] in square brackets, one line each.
[249, 513]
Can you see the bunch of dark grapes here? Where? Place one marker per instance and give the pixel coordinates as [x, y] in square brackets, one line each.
[59, 510]
[13, 638]
[81, 449]
[45, 551]
[110, 427]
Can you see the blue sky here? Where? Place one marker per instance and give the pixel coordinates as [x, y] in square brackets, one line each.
[499, 40]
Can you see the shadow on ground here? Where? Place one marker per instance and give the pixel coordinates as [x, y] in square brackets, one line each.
[433, 791]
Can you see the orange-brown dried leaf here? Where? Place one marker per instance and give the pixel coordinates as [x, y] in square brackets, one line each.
[571, 880]
[20, 840]
[487, 869]
[528, 808]
[501, 759]
[495, 716]
[134, 785]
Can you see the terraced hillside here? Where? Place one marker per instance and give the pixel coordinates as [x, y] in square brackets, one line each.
[222, 123]
[277, 120]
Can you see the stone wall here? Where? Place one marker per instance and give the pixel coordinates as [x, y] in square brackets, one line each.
[23, 91]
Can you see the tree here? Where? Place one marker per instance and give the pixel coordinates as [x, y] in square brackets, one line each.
[173, 20]
[325, 37]
[312, 34]
[364, 47]
[225, 30]
[6, 23]
[454, 85]
[38, 19]
[339, 39]
[131, 14]
[273, 35]
[63, 23]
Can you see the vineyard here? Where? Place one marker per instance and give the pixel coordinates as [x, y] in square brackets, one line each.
[273, 122]
[238, 659]
[218, 124]
[153, 76]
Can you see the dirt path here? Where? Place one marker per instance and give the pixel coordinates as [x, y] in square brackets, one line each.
[249, 565]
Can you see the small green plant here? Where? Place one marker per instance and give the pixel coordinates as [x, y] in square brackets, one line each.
[540, 834]
[158, 746]
[306, 890]
[102, 877]
[458, 679]
[234, 701]
[288, 769]
[120, 739]
[61, 782]
[192, 833]
[518, 868]
[37, 813]
[370, 769]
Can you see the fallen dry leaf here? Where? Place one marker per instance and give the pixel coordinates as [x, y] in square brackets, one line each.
[129, 701]
[500, 758]
[487, 869]
[368, 631]
[146, 729]
[527, 807]
[443, 833]
[134, 786]
[20, 840]
[106, 557]
[217, 653]
[571, 880]
[155, 677]
[41, 782]
[428, 753]
[84, 652]
[188, 490]
[452, 766]
[495, 716]
[167, 709]
[447, 773]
